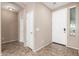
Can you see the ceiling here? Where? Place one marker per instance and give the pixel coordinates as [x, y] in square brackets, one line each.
[50, 5]
[11, 6]
[17, 6]
[54, 5]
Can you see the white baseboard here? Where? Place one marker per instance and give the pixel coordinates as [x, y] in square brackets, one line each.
[8, 41]
[35, 50]
[20, 40]
[73, 47]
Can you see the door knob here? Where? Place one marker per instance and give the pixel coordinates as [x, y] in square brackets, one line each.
[31, 32]
[64, 29]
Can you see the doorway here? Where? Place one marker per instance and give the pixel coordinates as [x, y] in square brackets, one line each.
[10, 27]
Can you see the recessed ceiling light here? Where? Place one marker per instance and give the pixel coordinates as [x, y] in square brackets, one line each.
[10, 8]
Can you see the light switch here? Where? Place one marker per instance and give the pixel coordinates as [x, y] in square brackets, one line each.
[37, 29]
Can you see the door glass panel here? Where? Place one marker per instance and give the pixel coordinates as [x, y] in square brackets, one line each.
[72, 20]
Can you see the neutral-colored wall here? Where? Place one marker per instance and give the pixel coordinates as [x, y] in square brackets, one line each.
[0, 28]
[73, 41]
[9, 26]
[42, 26]
[78, 26]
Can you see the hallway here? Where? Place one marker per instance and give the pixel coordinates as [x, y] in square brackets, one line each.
[53, 49]
[28, 27]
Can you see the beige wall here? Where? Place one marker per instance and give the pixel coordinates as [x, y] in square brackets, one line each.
[9, 26]
[0, 28]
[43, 22]
[78, 25]
[73, 41]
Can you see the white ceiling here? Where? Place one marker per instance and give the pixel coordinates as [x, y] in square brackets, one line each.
[54, 5]
[19, 5]
[15, 6]
[50, 5]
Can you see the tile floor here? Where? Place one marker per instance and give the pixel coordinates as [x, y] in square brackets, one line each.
[17, 49]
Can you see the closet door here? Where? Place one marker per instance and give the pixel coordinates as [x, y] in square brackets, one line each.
[59, 26]
[29, 39]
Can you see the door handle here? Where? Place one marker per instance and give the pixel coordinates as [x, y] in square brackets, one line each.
[31, 32]
[64, 30]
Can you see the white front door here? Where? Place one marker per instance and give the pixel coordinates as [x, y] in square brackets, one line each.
[59, 26]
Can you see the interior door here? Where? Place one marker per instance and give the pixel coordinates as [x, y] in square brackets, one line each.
[59, 26]
[30, 29]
